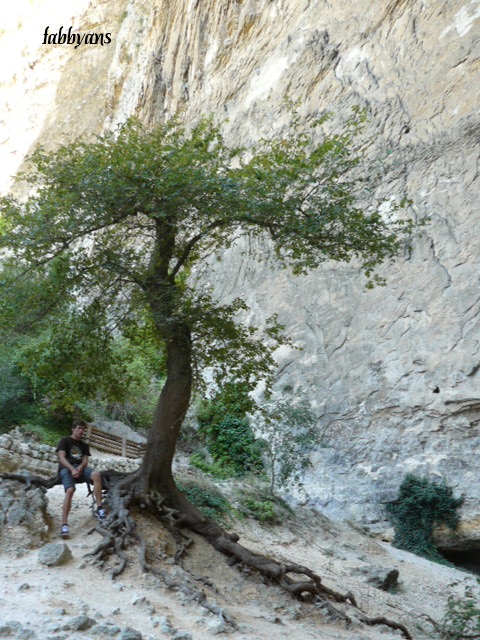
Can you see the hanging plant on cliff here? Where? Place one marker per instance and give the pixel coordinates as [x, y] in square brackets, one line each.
[115, 224]
[421, 506]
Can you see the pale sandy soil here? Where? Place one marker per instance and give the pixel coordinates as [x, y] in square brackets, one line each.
[43, 598]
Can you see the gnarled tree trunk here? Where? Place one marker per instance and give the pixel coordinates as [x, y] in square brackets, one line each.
[156, 469]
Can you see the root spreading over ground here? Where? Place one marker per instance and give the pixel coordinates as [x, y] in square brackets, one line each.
[120, 535]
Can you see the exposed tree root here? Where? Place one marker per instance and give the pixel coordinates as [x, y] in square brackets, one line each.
[119, 533]
[32, 481]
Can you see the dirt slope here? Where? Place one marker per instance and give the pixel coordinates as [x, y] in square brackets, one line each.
[44, 600]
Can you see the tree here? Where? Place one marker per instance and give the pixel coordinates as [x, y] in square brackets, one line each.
[114, 225]
[290, 431]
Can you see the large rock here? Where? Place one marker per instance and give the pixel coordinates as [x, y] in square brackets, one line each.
[119, 429]
[54, 554]
[23, 517]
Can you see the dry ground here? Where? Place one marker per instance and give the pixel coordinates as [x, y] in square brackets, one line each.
[41, 598]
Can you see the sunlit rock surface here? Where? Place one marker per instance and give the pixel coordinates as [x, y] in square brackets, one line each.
[393, 374]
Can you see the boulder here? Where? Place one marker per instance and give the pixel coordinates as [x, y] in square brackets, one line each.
[54, 554]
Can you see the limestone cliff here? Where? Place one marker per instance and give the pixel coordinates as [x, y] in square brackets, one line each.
[394, 373]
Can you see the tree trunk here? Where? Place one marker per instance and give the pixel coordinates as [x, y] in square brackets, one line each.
[174, 400]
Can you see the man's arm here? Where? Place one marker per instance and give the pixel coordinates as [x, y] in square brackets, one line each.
[83, 466]
[76, 472]
[62, 458]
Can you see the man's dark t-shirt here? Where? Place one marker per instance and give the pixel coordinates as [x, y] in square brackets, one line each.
[74, 450]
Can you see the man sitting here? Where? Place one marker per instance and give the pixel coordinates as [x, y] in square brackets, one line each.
[73, 454]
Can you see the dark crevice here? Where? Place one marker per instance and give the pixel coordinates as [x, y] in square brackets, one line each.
[467, 560]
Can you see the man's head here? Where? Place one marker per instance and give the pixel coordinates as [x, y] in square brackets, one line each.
[78, 429]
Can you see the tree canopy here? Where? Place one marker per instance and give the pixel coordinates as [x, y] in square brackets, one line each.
[112, 227]
[104, 244]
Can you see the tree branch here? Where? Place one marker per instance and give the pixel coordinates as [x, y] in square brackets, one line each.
[192, 242]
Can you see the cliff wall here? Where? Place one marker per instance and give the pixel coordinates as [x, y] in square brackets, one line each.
[394, 373]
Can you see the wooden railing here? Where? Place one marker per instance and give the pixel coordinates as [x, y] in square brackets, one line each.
[111, 443]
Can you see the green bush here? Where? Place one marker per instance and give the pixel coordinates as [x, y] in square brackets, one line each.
[421, 505]
[257, 503]
[231, 442]
[226, 432]
[462, 617]
[62, 369]
[232, 399]
[290, 433]
[209, 501]
[49, 426]
[16, 401]
[262, 509]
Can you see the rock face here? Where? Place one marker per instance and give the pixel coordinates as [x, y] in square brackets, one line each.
[23, 517]
[393, 374]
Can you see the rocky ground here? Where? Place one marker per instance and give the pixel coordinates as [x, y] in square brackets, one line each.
[78, 600]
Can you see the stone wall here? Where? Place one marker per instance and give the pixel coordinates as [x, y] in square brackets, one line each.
[18, 455]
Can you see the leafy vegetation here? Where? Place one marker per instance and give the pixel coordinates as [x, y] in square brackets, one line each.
[46, 428]
[290, 431]
[421, 505]
[113, 227]
[462, 616]
[207, 499]
[51, 373]
[260, 508]
[16, 402]
[107, 236]
[225, 429]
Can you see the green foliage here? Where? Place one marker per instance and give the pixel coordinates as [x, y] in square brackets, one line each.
[71, 364]
[227, 434]
[290, 432]
[255, 502]
[47, 427]
[15, 397]
[218, 469]
[261, 509]
[232, 443]
[421, 505]
[79, 357]
[462, 617]
[232, 398]
[116, 222]
[114, 226]
[208, 500]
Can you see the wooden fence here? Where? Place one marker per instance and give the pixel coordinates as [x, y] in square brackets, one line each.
[111, 443]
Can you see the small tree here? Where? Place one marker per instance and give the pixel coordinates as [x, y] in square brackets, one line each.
[226, 431]
[462, 616]
[290, 431]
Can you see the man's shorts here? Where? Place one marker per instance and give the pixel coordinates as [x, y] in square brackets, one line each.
[68, 480]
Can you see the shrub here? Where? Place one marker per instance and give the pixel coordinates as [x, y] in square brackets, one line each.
[256, 502]
[290, 433]
[262, 509]
[232, 443]
[16, 399]
[462, 617]
[208, 500]
[202, 461]
[422, 504]
[226, 432]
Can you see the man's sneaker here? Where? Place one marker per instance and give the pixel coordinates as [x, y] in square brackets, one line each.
[100, 513]
[65, 531]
